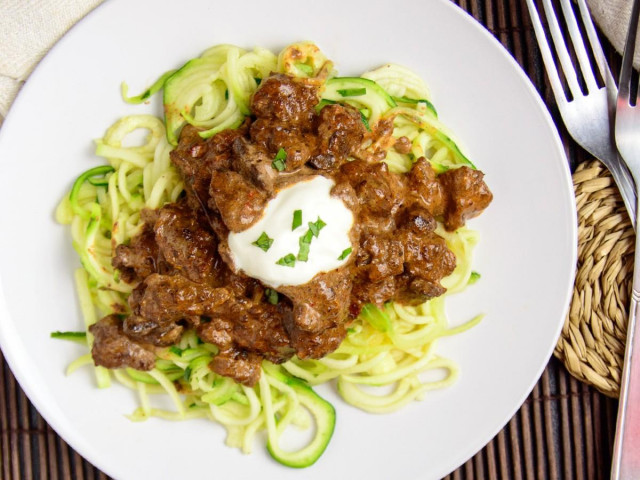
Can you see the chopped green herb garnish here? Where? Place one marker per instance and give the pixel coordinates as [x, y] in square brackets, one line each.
[187, 374]
[316, 226]
[175, 350]
[297, 219]
[258, 80]
[345, 253]
[365, 121]
[263, 242]
[279, 162]
[272, 296]
[305, 244]
[473, 278]
[288, 260]
[303, 252]
[352, 92]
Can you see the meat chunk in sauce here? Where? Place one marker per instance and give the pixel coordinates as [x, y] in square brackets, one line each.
[113, 349]
[340, 135]
[466, 195]
[273, 135]
[286, 99]
[170, 298]
[196, 158]
[253, 163]
[239, 202]
[242, 366]
[185, 243]
[184, 273]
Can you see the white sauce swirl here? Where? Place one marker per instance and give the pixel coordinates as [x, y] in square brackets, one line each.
[313, 198]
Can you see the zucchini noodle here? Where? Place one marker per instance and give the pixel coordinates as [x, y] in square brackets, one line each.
[388, 358]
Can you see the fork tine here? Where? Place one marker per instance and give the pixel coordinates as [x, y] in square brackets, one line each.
[594, 41]
[579, 46]
[627, 59]
[561, 49]
[547, 57]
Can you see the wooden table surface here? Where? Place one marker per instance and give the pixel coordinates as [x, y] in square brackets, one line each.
[564, 430]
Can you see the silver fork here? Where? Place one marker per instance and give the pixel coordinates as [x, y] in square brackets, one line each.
[589, 117]
[626, 449]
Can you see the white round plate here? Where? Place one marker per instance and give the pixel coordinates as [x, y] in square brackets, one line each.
[526, 255]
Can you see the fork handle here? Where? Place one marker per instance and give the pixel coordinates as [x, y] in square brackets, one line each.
[626, 448]
[626, 185]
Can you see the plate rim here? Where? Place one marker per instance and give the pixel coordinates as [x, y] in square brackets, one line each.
[7, 330]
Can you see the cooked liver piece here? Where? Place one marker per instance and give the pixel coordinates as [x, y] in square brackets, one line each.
[239, 202]
[113, 349]
[180, 263]
[284, 98]
[186, 243]
[466, 195]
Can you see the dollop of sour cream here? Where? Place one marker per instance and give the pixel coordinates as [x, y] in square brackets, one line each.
[330, 249]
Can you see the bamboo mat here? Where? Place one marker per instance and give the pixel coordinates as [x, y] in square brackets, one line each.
[564, 430]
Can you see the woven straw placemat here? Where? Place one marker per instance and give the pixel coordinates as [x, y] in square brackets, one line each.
[593, 337]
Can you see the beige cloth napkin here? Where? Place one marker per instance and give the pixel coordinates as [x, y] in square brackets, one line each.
[29, 28]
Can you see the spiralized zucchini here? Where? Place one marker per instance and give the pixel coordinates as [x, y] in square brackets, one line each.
[389, 355]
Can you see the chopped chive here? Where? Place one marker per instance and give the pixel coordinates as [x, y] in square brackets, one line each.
[279, 165]
[352, 92]
[272, 296]
[305, 244]
[263, 242]
[316, 226]
[279, 162]
[226, 94]
[365, 121]
[288, 260]
[345, 253]
[303, 253]
[297, 219]
[186, 376]
[175, 350]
